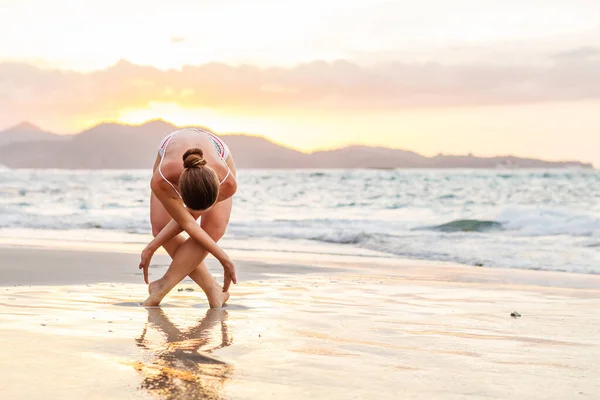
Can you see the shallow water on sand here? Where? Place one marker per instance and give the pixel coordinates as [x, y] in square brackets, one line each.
[330, 334]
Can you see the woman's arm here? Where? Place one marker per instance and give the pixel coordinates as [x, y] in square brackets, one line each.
[170, 230]
[228, 188]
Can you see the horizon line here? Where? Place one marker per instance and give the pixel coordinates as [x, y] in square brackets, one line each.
[257, 135]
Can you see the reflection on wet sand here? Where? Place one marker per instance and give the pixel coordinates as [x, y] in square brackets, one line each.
[182, 367]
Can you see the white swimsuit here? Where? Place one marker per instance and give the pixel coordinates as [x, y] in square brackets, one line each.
[220, 146]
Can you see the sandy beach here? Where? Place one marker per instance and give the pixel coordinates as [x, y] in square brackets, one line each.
[298, 326]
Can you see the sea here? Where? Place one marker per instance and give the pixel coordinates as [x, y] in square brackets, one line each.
[505, 218]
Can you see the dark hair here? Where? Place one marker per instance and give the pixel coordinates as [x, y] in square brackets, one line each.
[199, 183]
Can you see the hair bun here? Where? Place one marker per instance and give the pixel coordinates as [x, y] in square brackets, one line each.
[193, 158]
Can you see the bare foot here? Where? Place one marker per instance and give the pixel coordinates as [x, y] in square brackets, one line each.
[156, 296]
[225, 297]
[216, 297]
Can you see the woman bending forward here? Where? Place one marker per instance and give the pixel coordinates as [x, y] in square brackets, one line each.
[194, 176]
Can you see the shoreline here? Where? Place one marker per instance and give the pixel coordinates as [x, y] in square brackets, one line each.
[305, 249]
[413, 267]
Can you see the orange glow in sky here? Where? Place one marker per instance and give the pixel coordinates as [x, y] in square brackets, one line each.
[488, 77]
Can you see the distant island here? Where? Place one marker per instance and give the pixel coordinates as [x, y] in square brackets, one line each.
[118, 146]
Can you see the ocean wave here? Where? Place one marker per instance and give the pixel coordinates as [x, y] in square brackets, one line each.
[466, 248]
[528, 221]
[82, 220]
[467, 225]
[549, 221]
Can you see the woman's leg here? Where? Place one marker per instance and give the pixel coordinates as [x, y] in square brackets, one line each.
[159, 218]
[188, 260]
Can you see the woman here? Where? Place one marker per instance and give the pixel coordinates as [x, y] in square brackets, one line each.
[194, 177]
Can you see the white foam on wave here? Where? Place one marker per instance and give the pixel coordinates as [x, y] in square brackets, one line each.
[546, 221]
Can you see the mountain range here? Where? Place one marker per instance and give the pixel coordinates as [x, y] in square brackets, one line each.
[117, 146]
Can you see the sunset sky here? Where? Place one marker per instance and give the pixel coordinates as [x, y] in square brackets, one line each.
[482, 76]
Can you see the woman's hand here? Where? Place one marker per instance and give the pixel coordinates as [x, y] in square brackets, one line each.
[147, 254]
[228, 272]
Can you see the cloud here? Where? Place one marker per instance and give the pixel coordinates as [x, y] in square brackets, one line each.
[336, 86]
[579, 53]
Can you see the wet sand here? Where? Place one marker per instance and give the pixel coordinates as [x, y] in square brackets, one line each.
[297, 327]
